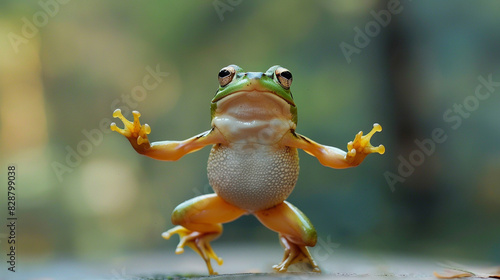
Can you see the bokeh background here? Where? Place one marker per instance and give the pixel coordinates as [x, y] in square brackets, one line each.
[83, 192]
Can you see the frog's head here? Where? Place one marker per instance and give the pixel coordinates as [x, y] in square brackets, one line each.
[273, 84]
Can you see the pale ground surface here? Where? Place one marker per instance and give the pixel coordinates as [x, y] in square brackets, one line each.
[240, 262]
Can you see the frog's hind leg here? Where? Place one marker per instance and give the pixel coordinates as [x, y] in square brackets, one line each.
[200, 221]
[295, 232]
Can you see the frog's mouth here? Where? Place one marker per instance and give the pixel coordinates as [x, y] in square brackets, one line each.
[254, 104]
[255, 85]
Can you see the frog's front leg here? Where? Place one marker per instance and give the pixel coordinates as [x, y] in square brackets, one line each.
[333, 157]
[295, 232]
[200, 221]
[164, 150]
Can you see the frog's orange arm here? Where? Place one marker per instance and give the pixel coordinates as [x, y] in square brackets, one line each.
[174, 150]
[164, 150]
[328, 156]
[333, 157]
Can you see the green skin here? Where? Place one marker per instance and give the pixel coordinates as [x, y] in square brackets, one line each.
[267, 80]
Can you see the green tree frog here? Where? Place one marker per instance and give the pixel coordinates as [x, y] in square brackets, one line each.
[253, 165]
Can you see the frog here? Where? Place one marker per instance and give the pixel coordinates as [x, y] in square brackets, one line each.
[253, 164]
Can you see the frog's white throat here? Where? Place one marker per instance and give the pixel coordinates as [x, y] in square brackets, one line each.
[248, 117]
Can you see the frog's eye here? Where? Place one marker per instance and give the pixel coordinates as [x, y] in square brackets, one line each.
[284, 77]
[226, 75]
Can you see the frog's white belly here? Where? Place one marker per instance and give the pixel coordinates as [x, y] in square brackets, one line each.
[253, 176]
[254, 171]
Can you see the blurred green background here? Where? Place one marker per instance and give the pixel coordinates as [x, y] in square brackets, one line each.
[83, 192]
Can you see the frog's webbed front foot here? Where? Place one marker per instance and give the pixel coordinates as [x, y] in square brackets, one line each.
[198, 241]
[360, 147]
[136, 133]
